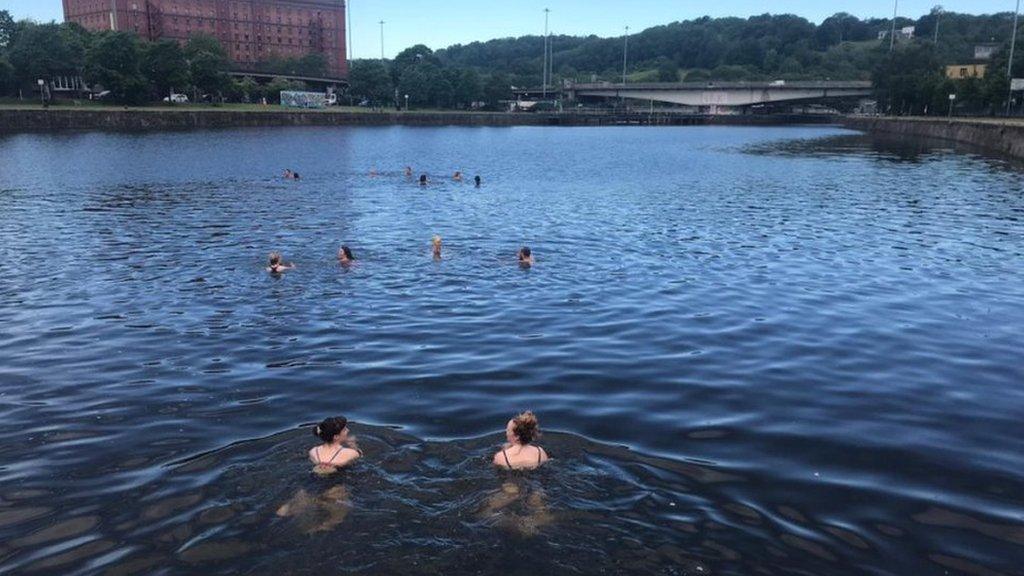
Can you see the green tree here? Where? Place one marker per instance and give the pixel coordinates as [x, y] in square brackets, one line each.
[497, 88]
[113, 63]
[208, 63]
[6, 76]
[467, 87]
[45, 51]
[245, 90]
[668, 71]
[165, 68]
[7, 28]
[369, 80]
[906, 81]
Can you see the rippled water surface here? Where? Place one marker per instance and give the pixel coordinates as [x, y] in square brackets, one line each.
[769, 351]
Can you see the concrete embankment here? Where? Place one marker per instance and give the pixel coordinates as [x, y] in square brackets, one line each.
[994, 135]
[23, 119]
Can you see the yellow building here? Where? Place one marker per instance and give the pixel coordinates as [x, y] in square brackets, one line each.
[965, 71]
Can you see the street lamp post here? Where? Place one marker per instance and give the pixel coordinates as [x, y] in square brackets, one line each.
[892, 34]
[938, 20]
[547, 14]
[952, 101]
[406, 102]
[625, 55]
[1013, 48]
[382, 41]
[42, 92]
[348, 26]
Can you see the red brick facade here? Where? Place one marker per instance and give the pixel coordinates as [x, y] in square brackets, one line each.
[250, 30]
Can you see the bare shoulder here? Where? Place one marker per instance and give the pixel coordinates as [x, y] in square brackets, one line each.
[499, 460]
[543, 454]
[313, 455]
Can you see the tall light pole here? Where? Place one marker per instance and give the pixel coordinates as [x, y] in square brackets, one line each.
[892, 34]
[547, 14]
[938, 20]
[382, 41]
[625, 56]
[348, 26]
[1013, 48]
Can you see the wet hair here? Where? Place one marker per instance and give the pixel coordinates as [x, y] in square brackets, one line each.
[525, 252]
[526, 428]
[296, 175]
[275, 258]
[330, 428]
[347, 252]
[423, 178]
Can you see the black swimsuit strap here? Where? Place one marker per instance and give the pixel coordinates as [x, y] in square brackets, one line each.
[507, 461]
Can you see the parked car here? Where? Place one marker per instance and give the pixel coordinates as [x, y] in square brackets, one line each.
[176, 99]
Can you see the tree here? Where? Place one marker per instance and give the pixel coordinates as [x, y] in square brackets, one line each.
[45, 51]
[113, 63]
[467, 87]
[7, 28]
[208, 63]
[497, 89]
[369, 80]
[165, 68]
[245, 90]
[668, 71]
[6, 76]
[907, 80]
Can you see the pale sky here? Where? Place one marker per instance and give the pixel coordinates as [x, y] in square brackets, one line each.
[440, 23]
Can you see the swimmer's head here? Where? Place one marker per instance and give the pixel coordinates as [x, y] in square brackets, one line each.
[345, 254]
[523, 429]
[275, 258]
[525, 253]
[332, 430]
[436, 241]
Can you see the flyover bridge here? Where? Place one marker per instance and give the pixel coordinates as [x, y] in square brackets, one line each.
[722, 94]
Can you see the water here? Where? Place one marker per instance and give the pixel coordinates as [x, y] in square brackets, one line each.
[763, 351]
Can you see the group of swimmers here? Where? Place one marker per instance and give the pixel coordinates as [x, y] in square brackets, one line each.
[277, 266]
[424, 180]
[339, 448]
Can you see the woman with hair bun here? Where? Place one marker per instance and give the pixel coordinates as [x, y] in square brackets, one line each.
[521, 452]
[339, 448]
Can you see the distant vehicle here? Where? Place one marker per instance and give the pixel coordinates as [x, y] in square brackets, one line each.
[176, 99]
[779, 83]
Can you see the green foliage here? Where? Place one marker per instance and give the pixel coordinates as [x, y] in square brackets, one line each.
[906, 80]
[208, 63]
[113, 63]
[272, 91]
[7, 28]
[668, 71]
[6, 76]
[369, 80]
[245, 90]
[45, 51]
[165, 68]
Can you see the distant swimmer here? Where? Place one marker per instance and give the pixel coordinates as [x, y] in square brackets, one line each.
[277, 265]
[436, 243]
[423, 179]
[457, 177]
[478, 181]
[339, 448]
[374, 173]
[525, 256]
[345, 255]
[520, 453]
[290, 175]
[408, 171]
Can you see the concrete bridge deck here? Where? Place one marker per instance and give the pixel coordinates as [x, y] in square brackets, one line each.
[723, 94]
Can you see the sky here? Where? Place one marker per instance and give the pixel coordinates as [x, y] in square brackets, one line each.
[441, 23]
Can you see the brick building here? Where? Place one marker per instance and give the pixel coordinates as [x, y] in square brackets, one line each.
[250, 30]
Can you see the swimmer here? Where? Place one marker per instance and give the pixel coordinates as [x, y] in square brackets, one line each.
[277, 265]
[436, 243]
[478, 181]
[423, 179]
[525, 256]
[374, 173]
[457, 177]
[345, 256]
[338, 450]
[408, 171]
[295, 176]
[520, 453]
[288, 174]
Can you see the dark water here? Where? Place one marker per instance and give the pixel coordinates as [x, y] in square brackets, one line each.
[756, 351]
